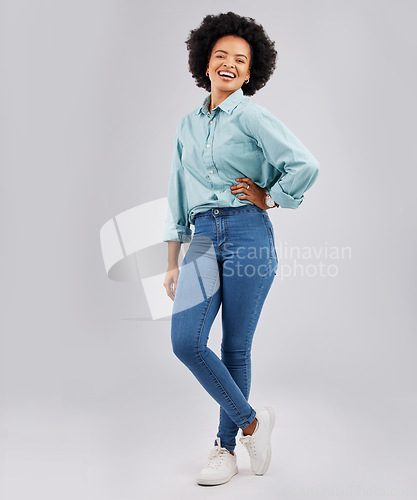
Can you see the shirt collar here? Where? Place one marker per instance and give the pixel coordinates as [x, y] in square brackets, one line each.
[227, 105]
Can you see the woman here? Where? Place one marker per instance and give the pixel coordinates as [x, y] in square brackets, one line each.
[233, 161]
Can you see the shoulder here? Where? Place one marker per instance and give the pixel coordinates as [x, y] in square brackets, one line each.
[263, 113]
[253, 116]
[245, 114]
[187, 120]
[264, 118]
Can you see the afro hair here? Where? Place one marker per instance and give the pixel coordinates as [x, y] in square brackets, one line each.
[202, 40]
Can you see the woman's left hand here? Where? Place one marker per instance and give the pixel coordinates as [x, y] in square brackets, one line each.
[255, 194]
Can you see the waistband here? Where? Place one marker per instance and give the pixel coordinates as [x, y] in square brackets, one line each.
[217, 211]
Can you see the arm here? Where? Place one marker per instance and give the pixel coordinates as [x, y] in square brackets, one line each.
[177, 226]
[174, 248]
[298, 167]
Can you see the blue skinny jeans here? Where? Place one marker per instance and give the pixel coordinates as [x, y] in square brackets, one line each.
[231, 260]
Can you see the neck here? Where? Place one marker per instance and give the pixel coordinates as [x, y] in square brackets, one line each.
[218, 96]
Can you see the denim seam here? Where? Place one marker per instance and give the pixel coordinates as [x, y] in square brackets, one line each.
[227, 233]
[217, 231]
[249, 330]
[208, 368]
[273, 245]
[270, 241]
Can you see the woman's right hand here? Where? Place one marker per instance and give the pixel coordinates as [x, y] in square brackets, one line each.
[170, 282]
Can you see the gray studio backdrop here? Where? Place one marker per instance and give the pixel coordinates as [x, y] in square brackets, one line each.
[94, 405]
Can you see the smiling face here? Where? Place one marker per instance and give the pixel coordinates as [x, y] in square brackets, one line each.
[229, 64]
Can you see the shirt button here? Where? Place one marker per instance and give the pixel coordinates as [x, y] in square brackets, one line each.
[218, 191]
[208, 145]
[211, 171]
[211, 121]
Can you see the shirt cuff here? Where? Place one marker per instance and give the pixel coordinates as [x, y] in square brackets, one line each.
[179, 233]
[284, 200]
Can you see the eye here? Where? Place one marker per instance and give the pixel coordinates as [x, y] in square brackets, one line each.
[240, 60]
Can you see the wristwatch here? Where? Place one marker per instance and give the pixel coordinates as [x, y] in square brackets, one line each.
[269, 201]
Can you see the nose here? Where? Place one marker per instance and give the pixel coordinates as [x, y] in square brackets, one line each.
[231, 65]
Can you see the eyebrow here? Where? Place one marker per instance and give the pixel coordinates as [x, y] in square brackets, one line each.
[219, 50]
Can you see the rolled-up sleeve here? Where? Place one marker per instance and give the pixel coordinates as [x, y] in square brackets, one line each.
[298, 167]
[176, 226]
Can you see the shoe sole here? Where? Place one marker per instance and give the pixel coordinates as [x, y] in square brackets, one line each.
[215, 482]
[269, 451]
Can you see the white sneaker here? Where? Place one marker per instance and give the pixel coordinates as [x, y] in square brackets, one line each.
[220, 468]
[259, 443]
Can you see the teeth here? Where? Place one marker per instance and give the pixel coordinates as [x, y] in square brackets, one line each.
[224, 73]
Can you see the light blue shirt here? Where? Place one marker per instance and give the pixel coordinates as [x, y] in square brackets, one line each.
[237, 139]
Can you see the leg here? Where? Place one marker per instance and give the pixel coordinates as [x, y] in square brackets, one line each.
[197, 301]
[245, 286]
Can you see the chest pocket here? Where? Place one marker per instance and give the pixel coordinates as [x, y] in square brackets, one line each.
[238, 158]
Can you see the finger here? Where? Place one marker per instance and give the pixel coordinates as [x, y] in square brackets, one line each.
[169, 290]
[240, 189]
[170, 294]
[241, 186]
[244, 184]
[245, 179]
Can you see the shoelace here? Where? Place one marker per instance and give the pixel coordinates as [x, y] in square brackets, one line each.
[249, 443]
[216, 456]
